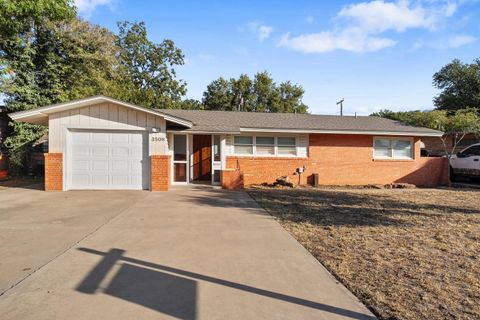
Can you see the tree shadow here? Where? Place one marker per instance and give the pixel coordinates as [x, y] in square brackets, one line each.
[171, 290]
[334, 208]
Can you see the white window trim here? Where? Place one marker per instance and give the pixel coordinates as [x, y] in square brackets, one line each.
[393, 158]
[276, 154]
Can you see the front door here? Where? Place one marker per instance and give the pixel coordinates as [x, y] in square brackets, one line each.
[202, 157]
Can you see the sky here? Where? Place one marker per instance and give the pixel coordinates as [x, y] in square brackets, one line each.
[374, 54]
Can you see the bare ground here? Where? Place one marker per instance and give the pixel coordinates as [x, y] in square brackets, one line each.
[407, 254]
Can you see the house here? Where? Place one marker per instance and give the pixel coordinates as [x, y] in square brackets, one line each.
[435, 148]
[103, 143]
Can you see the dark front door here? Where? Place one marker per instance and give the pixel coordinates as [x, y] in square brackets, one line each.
[202, 157]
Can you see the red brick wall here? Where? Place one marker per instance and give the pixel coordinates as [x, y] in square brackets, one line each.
[160, 172]
[342, 160]
[53, 171]
[232, 179]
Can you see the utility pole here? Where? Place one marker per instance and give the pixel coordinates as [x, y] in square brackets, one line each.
[341, 106]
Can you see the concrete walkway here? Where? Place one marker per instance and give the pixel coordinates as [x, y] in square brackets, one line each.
[191, 253]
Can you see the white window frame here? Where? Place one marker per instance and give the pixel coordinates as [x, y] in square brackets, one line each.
[286, 155]
[253, 145]
[412, 148]
[275, 138]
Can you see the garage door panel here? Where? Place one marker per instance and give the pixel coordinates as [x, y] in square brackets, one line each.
[136, 179]
[136, 139]
[81, 137]
[81, 151]
[108, 160]
[100, 180]
[100, 151]
[136, 152]
[80, 179]
[120, 180]
[120, 138]
[121, 152]
[119, 165]
[100, 165]
[102, 137]
[81, 165]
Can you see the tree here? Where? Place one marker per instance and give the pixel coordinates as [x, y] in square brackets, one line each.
[261, 94]
[459, 84]
[456, 125]
[25, 53]
[218, 95]
[148, 75]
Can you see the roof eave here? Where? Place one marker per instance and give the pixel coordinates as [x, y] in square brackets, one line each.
[359, 132]
[28, 115]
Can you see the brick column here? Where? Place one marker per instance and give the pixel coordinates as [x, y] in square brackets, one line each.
[232, 179]
[160, 172]
[53, 171]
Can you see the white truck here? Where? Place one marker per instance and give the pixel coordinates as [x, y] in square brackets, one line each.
[466, 163]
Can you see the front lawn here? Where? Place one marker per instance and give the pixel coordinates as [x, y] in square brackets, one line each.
[407, 254]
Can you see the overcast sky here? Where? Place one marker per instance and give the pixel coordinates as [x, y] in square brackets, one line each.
[375, 54]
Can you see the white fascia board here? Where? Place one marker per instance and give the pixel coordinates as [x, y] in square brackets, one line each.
[384, 133]
[203, 132]
[23, 115]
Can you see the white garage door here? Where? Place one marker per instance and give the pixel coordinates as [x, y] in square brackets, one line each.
[107, 160]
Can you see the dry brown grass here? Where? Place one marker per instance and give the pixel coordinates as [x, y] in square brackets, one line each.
[407, 254]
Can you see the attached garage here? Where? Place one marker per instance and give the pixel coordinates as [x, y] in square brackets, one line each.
[107, 160]
[100, 143]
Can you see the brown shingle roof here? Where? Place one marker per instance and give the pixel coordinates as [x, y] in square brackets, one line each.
[231, 121]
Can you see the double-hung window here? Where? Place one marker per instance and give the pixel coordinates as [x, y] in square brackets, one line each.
[287, 146]
[243, 144]
[265, 145]
[392, 148]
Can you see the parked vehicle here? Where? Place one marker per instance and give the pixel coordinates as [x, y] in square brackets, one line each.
[466, 163]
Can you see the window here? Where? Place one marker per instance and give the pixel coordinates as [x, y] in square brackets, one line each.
[472, 151]
[243, 144]
[385, 148]
[179, 147]
[287, 146]
[216, 148]
[265, 145]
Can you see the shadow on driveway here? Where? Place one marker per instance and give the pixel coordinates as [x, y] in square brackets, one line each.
[170, 290]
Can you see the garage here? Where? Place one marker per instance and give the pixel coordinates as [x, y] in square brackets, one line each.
[107, 160]
[100, 143]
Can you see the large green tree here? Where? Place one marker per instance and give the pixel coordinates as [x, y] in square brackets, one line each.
[148, 75]
[49, 55]
[459, 84]
[25, 62]
[260, 94]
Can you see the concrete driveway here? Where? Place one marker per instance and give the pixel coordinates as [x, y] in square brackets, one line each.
[191, 253]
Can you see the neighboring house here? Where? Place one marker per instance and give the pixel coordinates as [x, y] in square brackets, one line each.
[102, 143]
[434, 146]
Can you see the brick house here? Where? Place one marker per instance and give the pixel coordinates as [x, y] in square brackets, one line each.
[102, 143]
